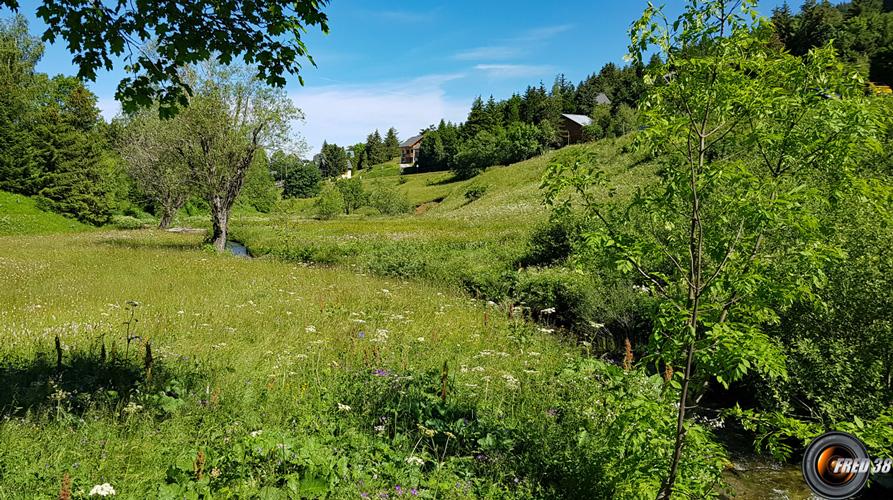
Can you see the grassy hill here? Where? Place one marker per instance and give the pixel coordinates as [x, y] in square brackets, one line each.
[20, 215]
[481, 244]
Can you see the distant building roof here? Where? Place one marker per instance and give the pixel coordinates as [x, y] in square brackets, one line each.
[601, 98]
[411, 141]
[579, 119]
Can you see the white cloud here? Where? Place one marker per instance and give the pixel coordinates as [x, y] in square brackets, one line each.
[543, 32]
[513, 70]
[489, 52]
[345, 114]
[510, 48]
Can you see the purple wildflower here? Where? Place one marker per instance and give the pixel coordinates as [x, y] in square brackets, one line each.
[398, 489]
[381, 373]
[361, 335]
[414, 492]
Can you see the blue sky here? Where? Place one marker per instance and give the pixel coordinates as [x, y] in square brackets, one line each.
[408, 64]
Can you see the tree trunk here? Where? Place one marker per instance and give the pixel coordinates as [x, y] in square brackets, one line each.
[220, 221]
[167, 216]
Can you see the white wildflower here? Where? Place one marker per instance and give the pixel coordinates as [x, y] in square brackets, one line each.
[256, 433]
[343, 407]
[310, 329]
[413, 460]
[102, 490]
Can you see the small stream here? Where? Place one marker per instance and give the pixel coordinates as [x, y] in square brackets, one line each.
[238, 249]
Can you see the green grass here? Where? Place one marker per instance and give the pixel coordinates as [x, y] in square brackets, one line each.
[450, 240]
[20, 215]
[241, 346]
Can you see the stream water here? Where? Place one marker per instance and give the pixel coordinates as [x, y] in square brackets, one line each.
[238, 249]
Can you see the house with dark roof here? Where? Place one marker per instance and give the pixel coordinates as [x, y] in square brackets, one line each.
[572, 127]
[409, 151]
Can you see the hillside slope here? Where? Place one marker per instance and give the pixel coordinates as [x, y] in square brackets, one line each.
[21, 215]
[452, 238]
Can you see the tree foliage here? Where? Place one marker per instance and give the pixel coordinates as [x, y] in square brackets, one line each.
[748, 137]
[302, 180]
[231, 118]
[147, 146]
[266, 37]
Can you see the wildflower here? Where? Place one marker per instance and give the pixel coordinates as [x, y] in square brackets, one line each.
[548, 310]
[361, 335]
[65, 490]
[103, 490]
[343, 407]
[413, 460]
[379, 428]
[310, 329]
[256, 433]
[547, 330]
[398, 489]
[132, 408]
[414, 492]
[381, 373]
[628, 355]
[420, 339]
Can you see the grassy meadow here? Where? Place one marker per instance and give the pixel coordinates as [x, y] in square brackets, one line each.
[183, 371]
[452, 238]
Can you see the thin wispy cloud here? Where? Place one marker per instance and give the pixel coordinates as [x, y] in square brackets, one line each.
[513, 47]
[543, 33]
[492, 52]
[513, 70]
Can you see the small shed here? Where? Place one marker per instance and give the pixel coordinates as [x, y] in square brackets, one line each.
[409, 151]
[572, 127]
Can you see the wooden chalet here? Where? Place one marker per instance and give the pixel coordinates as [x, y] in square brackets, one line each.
[409, 151]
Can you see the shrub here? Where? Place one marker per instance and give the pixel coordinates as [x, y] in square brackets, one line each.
[330, 202]
[352, 193]
[559, 296]
[389, 200]
[476, 154]
[553, 241]
[126, 222]
[522, 141]
[475, 192]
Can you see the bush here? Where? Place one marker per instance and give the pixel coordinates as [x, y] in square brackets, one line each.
[552, 241]
[330, 202]
[475, 192]
[352, 193]
[556, 295]
[476, 154]
[303, 181]
[389, 200]
[522, 141]
[126, 222]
